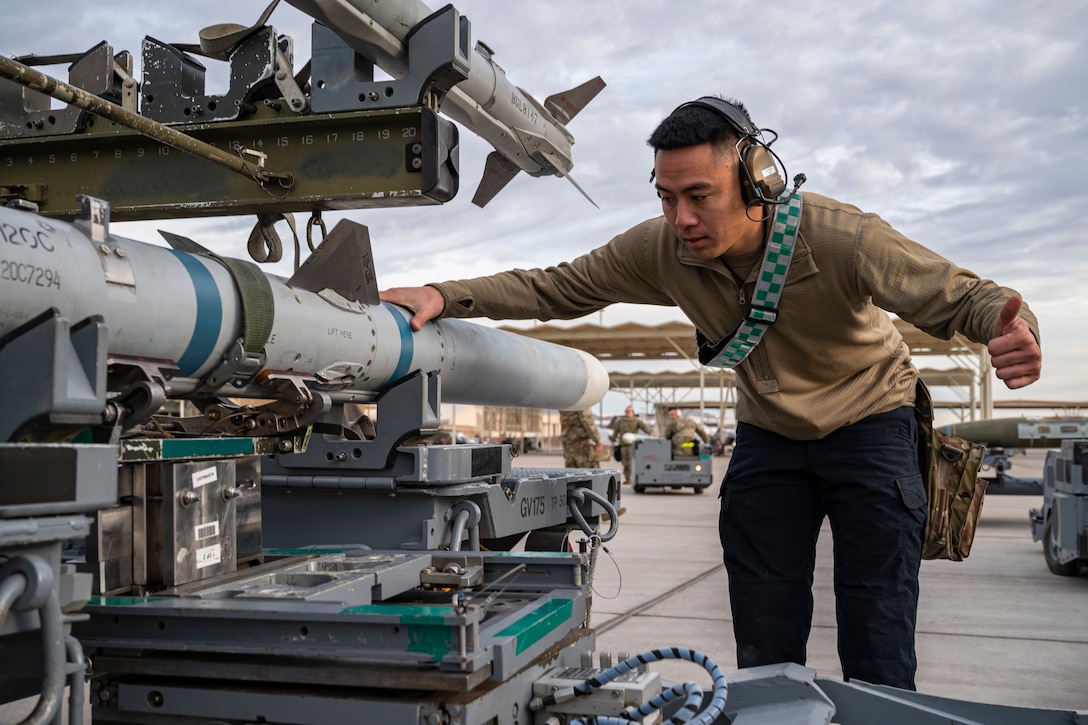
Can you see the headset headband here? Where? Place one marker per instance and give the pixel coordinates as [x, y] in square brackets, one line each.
[737, 118]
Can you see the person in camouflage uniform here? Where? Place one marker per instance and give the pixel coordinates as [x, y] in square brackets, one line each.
[581, 440]
[622, 426]
[683, 431]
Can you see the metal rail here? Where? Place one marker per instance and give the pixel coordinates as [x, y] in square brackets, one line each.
[37, 81]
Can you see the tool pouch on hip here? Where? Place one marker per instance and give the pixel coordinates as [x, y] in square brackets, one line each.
[949, 466]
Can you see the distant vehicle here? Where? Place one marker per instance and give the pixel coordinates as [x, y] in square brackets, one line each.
[1062, 523]
[654, 465]
[723, 439]
[445, 438]
[528, 444]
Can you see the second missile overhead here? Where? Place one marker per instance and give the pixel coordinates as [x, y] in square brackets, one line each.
[191, 308]
[1020, 432]
[527, 135]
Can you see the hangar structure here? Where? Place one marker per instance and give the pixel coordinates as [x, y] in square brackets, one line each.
[963, 384]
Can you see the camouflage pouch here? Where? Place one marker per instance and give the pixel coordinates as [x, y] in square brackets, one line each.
[949, 466]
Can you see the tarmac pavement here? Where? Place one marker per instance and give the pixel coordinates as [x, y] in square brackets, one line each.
[996, 628]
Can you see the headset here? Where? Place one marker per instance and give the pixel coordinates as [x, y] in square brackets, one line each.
[760, 180]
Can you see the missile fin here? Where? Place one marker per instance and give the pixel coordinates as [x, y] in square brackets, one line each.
[498, 171]
[555, 161]
[184, 244]
[567, 104]
[344, 263]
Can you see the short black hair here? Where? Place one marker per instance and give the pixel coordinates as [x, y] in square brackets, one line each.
[691, 125]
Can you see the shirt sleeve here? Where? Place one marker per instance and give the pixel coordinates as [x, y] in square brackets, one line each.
[616, 272]
[926, 289]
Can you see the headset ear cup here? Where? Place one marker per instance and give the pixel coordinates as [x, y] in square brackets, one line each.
[762, 174]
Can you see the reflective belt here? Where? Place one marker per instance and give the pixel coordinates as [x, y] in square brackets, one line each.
[734, 347]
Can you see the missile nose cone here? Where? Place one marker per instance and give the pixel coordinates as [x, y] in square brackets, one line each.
[597, 382]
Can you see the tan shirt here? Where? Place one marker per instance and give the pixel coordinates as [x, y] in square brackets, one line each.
[833, 356]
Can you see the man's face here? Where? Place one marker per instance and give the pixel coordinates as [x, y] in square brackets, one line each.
[699, 188]
[630, 412]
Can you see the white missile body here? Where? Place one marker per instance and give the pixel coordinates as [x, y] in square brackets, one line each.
[527, 135]
[165, 304]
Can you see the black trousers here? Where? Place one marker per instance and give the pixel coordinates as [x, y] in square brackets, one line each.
[775, 495]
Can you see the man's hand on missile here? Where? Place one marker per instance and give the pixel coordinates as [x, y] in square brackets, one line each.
[425, 302]
[1014, 352]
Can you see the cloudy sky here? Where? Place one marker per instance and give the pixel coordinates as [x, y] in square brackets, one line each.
[962, 123]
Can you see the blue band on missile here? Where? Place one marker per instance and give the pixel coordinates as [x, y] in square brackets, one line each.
[407, 344]
[209, 315]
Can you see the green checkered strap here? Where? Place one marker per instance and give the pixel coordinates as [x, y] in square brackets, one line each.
[736, 346]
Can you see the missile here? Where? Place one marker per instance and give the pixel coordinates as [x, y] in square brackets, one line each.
[192, 308]
[1020, 432]
[527, 135]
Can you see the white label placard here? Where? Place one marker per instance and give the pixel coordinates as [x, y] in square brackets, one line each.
[203, 478]
[207, 556]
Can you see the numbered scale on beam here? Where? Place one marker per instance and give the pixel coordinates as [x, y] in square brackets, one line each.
[398, 157]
